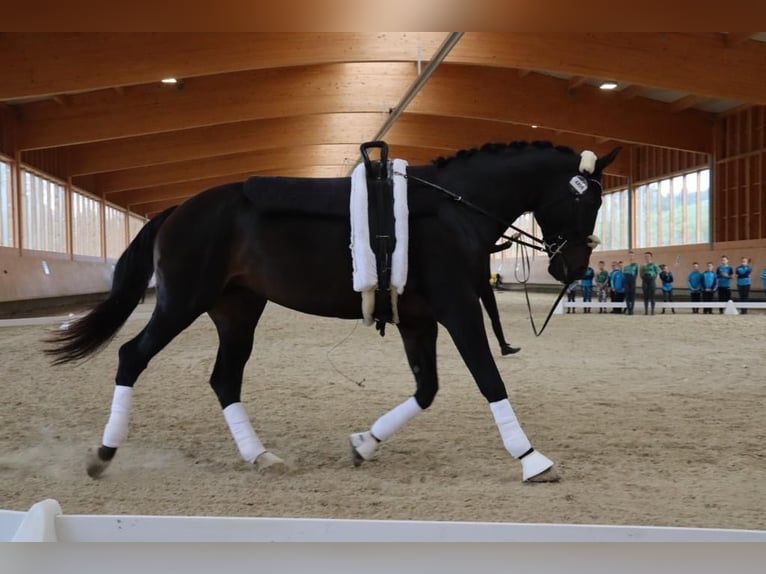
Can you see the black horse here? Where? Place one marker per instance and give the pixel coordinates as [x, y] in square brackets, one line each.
[230, 249]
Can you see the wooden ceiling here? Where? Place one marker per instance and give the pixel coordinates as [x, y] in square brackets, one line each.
[301, 103]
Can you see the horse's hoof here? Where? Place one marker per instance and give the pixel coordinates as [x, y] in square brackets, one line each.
[95, 465]
[549, 475]
[356, 458]
[508, 350]
[363, 447]
[271, 463]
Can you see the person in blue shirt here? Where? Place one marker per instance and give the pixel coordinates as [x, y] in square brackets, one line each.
[571, 293]
[724, 273]
[763, 281]
[617, 285]
[709, 286]
[694, 282]
[586, 284]
[743, 280]
[666, 277]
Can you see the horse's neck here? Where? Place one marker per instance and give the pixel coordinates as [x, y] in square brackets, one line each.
[492, 201]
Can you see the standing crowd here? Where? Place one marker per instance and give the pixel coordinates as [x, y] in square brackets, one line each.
[619, 284]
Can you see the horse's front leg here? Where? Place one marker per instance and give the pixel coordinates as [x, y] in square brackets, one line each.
[419, 338]
[462, 318]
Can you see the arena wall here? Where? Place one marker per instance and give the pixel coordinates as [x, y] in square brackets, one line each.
[23, 276]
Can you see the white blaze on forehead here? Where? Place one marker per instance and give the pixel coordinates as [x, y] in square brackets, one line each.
[588, 162]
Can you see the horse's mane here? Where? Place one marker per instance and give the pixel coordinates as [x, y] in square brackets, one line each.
[493, 148]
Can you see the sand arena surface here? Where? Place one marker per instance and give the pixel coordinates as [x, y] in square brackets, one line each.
[651, 421]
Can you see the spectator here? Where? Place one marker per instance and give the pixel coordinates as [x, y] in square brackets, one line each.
[709, 285]
[694, 281]
[667, 287]
[763, 281]
[649, 273]
[602, 284]
[571, 294]
[586, 284]
[617, 285]
[724, 273]
[630, 272]
[743, 280]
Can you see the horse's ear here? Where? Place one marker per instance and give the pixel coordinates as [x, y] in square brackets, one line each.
[603, 162]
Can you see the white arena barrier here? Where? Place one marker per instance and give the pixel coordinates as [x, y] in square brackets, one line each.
[730, 307]
[45, 522]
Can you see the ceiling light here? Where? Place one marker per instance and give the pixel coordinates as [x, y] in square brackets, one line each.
[608, 85]
[534, 127]
[169, 81]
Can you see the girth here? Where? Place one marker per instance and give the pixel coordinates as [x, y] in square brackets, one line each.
[380, 208]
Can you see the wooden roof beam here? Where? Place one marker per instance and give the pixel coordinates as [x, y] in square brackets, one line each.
[493, 93]
[222, 139]
[40, 64]
[732, 39]
[271, 159]
[699, 64]
[459, 91]
[212, 100]
[575, 82]
[686, 102]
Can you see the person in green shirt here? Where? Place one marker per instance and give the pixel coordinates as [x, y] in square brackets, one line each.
[649, 272]
[602, 284]
[630, 271]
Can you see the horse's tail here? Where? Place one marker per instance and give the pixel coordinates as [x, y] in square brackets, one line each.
[132, 274]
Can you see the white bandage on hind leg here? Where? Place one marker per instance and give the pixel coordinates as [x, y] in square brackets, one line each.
[395, 419]
[116, 429]
[514, 439]
[239, 424]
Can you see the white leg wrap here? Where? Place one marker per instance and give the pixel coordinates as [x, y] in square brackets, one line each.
[116, 430]
[514, 439]
[395, 419]
[239, 424]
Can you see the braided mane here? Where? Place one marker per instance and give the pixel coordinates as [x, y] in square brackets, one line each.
[494, 148]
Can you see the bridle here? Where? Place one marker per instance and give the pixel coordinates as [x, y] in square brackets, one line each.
[578, 187]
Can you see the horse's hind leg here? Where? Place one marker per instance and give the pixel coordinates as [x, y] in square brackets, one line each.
[134, 356]
[236, 315]
[420, 345]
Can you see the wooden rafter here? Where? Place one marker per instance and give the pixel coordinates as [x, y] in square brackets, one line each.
[638, 57]
[36, 65]
[454, 90]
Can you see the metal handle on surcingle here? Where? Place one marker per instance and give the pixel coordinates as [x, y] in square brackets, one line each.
[382, 171]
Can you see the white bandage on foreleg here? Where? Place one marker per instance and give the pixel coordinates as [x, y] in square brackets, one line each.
[514, 439]
[588, 162]
[239, 424]
[395, 419]
[116, 429]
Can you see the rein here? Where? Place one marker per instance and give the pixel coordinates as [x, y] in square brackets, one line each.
[544, 247]
[526, 267]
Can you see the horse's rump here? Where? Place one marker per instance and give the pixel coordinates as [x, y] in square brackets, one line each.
[322, 196]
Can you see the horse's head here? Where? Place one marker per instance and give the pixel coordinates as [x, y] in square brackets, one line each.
[567, 215]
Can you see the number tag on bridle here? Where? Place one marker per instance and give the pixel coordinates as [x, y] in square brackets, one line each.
[578, 184]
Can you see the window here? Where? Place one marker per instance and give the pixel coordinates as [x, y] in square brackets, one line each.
[612, 221]
[502, 261]
[6, 204]
[86, 225]
[673, 211]
[135, 223]
[43, 214]
[115, 232]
